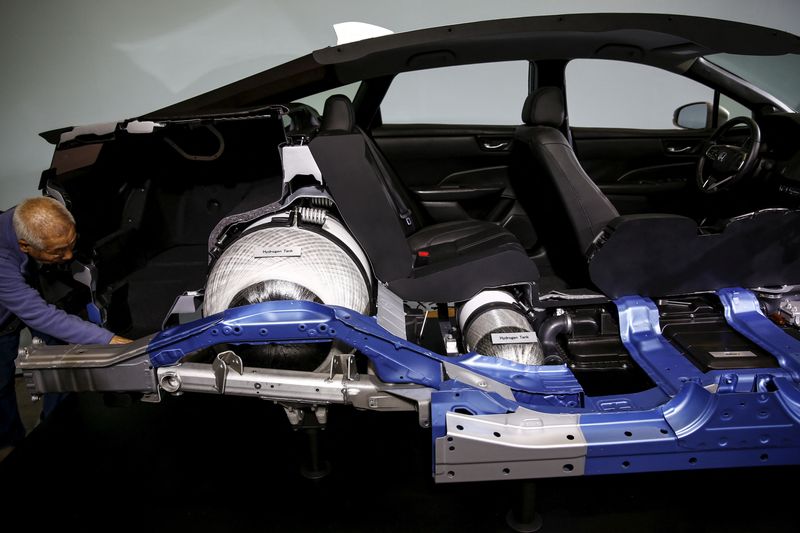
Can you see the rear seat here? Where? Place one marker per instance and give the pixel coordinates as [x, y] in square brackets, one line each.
[448, 261]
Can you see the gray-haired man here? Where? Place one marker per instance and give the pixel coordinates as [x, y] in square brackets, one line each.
[43, 230]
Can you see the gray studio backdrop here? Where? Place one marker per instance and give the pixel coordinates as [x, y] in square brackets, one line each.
[78, 62]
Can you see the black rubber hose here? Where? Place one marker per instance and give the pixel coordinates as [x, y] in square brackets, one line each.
[548, 338]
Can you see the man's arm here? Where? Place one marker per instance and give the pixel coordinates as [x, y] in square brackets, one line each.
[29, 306]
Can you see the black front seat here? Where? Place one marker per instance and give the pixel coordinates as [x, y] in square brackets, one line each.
[567, 208]
[444, 262]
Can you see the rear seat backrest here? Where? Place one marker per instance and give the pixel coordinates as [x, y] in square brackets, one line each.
[349, 170]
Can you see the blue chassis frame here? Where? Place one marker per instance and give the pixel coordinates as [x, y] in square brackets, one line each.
[690, 419]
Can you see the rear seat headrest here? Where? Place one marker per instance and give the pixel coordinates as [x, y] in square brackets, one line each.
[544, 107]
[338, 114]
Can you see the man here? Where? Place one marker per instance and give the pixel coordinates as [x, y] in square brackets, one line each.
[41, 230]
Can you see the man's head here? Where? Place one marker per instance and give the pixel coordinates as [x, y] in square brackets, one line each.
[45, 230]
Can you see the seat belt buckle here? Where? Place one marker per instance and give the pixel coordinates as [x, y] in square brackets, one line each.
[406, 217]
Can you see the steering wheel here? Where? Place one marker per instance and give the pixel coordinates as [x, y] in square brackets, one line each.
[722, 165]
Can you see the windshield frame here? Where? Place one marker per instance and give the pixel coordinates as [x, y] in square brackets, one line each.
[739, 66]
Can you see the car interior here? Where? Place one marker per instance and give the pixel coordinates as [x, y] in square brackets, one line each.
[534, 206]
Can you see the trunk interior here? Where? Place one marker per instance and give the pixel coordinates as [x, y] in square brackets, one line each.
[146, 220]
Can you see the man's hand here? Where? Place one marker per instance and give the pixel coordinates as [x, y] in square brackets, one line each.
[116, 339]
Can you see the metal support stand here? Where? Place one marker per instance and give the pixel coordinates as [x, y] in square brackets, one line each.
[309, 421]
[522, 516]
[314, 465]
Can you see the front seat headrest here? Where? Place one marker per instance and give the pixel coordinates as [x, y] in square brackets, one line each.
[338, 115]
[543, 107]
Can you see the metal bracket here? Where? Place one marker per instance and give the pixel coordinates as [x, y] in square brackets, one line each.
[222, 363]
[294, 414]
[306, 416]
[152, 397]
[345, 365]
[421, 397]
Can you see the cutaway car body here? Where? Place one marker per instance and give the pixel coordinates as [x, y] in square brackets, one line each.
[290, 263]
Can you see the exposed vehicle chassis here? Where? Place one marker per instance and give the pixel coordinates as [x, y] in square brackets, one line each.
[491, 418]
[295, 310]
